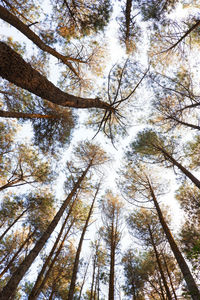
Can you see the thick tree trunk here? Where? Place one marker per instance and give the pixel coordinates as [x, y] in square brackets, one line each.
[191, 285]
[13, 223]
[14, 69]
[78, 252]
[35, 290]
[19, 115]
[159, 265]
[10, 288]
[179, 166]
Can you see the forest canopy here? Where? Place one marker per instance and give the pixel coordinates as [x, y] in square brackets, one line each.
[99, 150]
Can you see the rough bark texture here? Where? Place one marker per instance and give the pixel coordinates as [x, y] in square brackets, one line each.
[9, 290]
[191, 285]
[78, 252]
[14, 69]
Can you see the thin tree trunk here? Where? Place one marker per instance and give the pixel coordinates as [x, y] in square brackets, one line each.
[20, 115]
[34, 291]
[159, 265]
[83, 282]
[78, 252]
[10, 288]
[93, 276]
[184, 123]
[13, 223]
[184, 36]
[47, 275]
[112, 266]
[17, 253]
[179, 166]
[191, 285]
[25, 29]
[128, 18]
[169, 275]
[16, 70]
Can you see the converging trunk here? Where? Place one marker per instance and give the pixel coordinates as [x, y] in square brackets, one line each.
[191, 285]
[78, 252]
[9, 290]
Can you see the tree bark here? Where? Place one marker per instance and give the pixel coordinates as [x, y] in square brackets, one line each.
[169, 275]
[191, 285]
[20, 115]
[10, 288]
[14, 69]
[112, 266]
[179, 166]
[47, 275]
[159, 265]
[25, 29]
[35, 290]
[78, 252]
[13, 223]
[16, 254]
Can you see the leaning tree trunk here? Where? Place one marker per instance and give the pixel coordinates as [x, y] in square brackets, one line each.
[78, 252]
[169, 275]
[191, 285]
[10, 288]
[13, 223]
[179, 166]
[20, 115]
[14, 69]
[17, 253]
[35, 290]
[47, 275]
[159, 265]
[25, 29]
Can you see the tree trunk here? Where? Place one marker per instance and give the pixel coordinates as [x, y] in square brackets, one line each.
[47, 275]
[20, 115]
[84, 279]
[14, 69]
[10, 288]
[191, 285]
[25, 29]
[112, 266]
[169, 275]
[13, 223]
[78, 252]
[93, 276]
[179, 166]
[34, 291]
[16, 254]
[159, 265]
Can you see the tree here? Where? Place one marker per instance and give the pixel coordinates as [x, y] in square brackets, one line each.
[91, 156]
[151, 146]
[139, 184]
[175, 100]
[110, 232]
[24, 166]
[78, 252]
